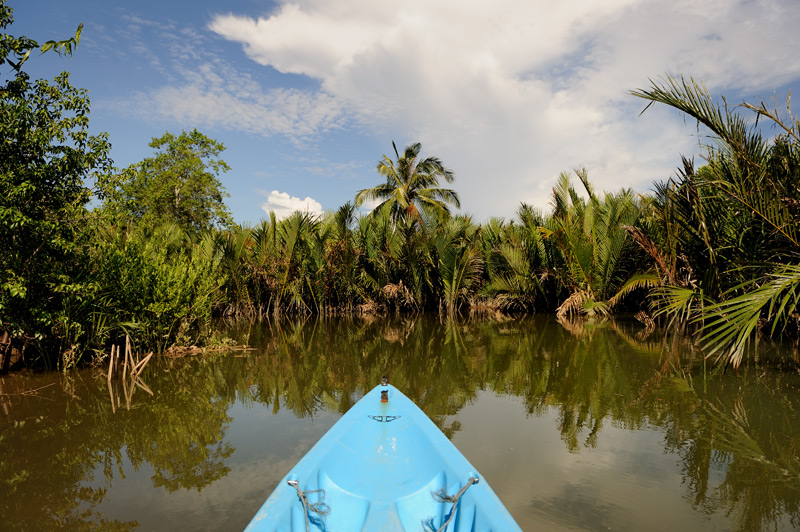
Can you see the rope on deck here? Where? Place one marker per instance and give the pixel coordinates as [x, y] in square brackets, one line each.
[318, 507]
[442, 496]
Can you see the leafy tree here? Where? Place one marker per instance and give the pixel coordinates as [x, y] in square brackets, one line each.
[412, 186]
[178, 185]
[47, 157]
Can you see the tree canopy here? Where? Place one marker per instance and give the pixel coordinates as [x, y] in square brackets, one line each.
[412, 186]
[47, 158]
[178, 185]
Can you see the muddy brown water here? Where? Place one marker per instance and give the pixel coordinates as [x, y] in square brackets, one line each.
[593, 426]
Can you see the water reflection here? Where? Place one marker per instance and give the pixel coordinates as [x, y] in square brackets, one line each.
[66, 446]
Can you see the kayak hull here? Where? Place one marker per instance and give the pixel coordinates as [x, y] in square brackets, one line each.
[383, 467]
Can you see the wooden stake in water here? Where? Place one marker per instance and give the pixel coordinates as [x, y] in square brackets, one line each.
[140, 366]
[111, 363]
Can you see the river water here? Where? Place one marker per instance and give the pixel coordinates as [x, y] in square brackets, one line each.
[590, 426]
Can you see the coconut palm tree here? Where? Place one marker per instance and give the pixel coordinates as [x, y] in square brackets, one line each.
[412, 186]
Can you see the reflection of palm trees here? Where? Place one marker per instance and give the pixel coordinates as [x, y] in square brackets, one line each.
[738, 445]
[760, 480]
[588, 378]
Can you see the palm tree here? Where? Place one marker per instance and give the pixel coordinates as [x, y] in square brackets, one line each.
[379, 244]
[412, 186]
[458, 260]
[593, 244]
[299, 235]
[748, 220]
[343, 254]
[233, 247]
[518, 260]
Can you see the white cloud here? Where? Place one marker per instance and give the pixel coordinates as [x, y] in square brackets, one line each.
[204, 89]
[291, 42]
[510, 93]
[288, 112]
[283, 205]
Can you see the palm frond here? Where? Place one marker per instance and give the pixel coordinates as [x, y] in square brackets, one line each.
[678, 303]
[693, 98]
[638, 281]
[730, 324]
[574, 304]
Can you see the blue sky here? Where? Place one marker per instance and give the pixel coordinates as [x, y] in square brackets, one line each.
[307, 96]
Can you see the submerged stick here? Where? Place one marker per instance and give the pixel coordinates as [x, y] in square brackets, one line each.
[134, 357]
[29, 392]
[128, 393]
[129, 352]
[125, 366]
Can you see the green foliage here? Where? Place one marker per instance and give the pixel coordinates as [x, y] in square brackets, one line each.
[412, 186]
[379, 242]
[47, 157]
[344, 254]
[458, 261]
[338, 262]
[15, 51]
[69, 281]
[717, 246]
[157, 288]
[519, 260]
[731, 323]
[179, 185]
[726, 236]
[593, 246]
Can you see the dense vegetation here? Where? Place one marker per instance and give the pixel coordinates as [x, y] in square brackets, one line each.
[716, 247]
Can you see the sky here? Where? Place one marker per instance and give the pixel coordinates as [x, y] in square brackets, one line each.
[308, 95]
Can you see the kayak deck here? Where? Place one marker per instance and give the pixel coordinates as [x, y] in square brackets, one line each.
[383, 467]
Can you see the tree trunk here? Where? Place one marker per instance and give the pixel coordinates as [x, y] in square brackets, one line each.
[5, 352]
